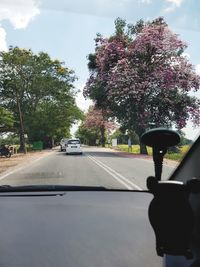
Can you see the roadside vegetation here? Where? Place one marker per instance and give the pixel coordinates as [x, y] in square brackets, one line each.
[140, 77]
[37, 98]
[169, 155]
[95, 127]
[174, 153]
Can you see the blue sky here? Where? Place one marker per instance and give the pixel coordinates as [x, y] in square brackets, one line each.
[66, 29]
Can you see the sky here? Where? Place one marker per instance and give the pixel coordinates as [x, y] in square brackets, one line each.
[66, 29]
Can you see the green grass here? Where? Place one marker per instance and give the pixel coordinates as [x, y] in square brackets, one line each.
[172, 156]
[135, 149]
[178, 156]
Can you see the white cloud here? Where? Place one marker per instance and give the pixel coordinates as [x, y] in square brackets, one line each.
[18, 12]
[174, 5]
[3, 44]
[198, 69]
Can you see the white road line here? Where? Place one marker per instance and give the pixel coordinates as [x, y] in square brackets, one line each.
[118, 174]
[22, 167]
[114, 176]
[9, 173]
[120, 178]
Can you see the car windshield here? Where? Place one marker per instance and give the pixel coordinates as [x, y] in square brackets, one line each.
[99, 74]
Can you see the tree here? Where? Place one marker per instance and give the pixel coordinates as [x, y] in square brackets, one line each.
[51, 120]
[39, 91]
[10, 139]
[98, 118]
[122, 137]
[6, 120]
[142, 76]
[88, 136]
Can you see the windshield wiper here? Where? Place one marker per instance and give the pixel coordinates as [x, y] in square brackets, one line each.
[42, 188]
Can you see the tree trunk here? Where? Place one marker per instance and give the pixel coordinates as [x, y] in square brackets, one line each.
[22, 147]
[53, 143]
[103, 138]
[143, 148]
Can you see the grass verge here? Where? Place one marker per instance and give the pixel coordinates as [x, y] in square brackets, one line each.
[171, 156]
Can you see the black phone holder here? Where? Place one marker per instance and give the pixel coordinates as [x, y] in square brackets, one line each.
[171, 215]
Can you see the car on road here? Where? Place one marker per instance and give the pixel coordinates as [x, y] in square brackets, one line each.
[73, 146]
[63, 143]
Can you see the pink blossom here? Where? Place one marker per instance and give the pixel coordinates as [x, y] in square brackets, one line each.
[147, 77]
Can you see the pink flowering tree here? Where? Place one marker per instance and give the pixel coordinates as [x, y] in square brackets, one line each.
[98, 118]
[144, 77]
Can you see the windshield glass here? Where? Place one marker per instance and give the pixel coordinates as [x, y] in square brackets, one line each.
[99, 74]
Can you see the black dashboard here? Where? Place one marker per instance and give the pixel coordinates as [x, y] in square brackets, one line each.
[76, 229]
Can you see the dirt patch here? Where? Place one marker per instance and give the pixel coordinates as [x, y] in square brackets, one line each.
[18, 159]
[172, 163]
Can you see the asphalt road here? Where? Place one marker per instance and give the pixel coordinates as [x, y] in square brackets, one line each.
[96, 167]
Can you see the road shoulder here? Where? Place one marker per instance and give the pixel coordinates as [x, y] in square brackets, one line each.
[20, 160]
[168, 162]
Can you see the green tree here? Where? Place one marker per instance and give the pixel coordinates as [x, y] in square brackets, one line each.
[87, 135]
[51, 120]
[10, 139]
[123, 137]
[31, 85]
[6, 120]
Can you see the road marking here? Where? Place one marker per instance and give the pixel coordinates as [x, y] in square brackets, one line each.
[120, 178]
[114, 176]
[22, 167]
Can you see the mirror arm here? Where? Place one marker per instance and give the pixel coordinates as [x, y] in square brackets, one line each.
[158, 155]
[160, 139]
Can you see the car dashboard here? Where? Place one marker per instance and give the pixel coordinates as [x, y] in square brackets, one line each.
[76, 229]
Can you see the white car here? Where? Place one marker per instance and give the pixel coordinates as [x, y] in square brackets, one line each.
[63, 143]
[73, 146]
